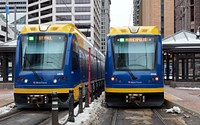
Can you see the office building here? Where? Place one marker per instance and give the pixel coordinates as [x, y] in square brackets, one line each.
[158, 13]
[105, 23]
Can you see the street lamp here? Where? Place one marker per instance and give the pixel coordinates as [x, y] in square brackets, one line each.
[198, 33]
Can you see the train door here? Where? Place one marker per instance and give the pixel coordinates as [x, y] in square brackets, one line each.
[75, 62]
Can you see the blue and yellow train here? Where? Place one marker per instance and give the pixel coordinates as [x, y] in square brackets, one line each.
[134, 74]
[53, 58]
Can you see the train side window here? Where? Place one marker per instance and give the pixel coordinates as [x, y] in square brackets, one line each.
[75, 54]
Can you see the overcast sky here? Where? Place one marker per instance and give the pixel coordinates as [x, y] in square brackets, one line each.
[120, 12]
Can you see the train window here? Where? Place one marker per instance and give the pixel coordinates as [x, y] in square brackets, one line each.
[134, 53]
[43, 51]
[75, 54]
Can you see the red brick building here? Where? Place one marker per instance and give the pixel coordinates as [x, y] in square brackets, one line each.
[187, 15]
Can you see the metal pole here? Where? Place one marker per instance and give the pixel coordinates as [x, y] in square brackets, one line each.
[54, 108]
[15, 23]
[6, 39]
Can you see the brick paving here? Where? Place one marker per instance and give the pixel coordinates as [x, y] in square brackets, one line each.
[6, 97]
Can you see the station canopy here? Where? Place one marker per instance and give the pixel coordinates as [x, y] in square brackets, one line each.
[9, 46]
[183, 41]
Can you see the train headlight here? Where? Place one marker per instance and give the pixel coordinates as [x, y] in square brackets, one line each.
[26, 81]
[55, 81]
[155, 79]
[112, 78]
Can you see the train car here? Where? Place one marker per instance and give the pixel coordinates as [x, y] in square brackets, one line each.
[53, 58]
[133, 69]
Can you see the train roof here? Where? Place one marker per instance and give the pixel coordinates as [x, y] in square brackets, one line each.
[134, 30]
[66, 28]
[62, 28]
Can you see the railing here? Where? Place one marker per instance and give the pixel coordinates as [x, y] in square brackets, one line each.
[96, 89]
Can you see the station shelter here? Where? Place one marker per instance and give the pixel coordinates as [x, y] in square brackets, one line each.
[7, 61]
[181, 58]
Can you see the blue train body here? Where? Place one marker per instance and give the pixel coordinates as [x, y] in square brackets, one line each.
[54, 60]
[136, 85]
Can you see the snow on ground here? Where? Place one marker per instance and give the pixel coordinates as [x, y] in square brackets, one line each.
[188, 88]
[7, 108]
[90, 114]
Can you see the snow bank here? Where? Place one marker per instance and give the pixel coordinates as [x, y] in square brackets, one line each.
[7, 108]
[90, 114]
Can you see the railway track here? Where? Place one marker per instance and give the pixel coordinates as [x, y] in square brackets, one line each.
[29, 117]
[145, 116]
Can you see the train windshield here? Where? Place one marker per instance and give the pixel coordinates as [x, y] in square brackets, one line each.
[134, 53]
[43, 51]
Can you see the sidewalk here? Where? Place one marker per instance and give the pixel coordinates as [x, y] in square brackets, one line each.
[6, 97]
[187, 99]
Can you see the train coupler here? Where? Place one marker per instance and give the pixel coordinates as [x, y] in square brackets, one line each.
[135, 98]
[37, 99]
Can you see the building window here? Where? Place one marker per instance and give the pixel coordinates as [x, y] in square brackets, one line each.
[82, 17]
[83, 26]
[35, 7]
[63, 9]
[3, 28]
[34, 22]
[45, 20]
[32, 1]
[87, 34]
[64, 18]
[82, 9]
[33, 15]
[82, 1]
[45, 4]
[45, 12]
[63, 1]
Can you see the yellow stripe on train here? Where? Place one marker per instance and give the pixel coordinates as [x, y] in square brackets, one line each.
[40, 91]
[134, 90]
[49, 90]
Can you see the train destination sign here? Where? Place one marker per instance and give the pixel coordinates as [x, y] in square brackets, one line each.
[134, 39]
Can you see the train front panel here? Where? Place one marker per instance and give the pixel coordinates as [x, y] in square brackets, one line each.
[134, 70]
[42, 67]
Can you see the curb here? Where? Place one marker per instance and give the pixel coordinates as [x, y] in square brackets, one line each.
[171, 104]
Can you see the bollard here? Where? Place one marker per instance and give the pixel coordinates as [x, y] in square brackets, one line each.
[91, 93]
[54, 108]
[80, 100]
[99, 91]
[86, 96]
[71, 106]
[95, 90]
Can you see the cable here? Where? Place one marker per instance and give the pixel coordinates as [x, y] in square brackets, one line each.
[70, 11]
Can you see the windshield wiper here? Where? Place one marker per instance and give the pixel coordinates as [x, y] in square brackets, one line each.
[34, 72]
[133, 77]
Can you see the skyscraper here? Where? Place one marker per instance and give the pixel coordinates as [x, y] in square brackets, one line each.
[159, 13]
[105, 23]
